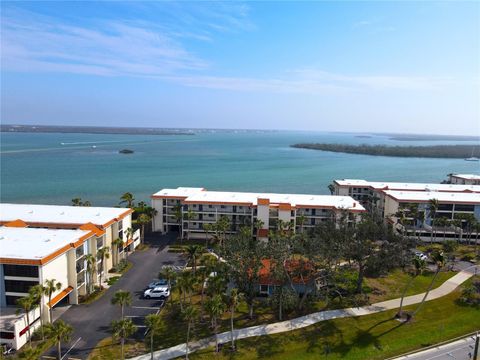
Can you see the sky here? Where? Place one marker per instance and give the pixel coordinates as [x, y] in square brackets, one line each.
[384, 66]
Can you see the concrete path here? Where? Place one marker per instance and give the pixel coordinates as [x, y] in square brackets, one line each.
[310, 319]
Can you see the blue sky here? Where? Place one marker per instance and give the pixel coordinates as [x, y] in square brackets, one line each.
[335, 66]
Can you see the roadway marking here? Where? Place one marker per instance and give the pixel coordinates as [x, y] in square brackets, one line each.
[144, 307]
[75, 343]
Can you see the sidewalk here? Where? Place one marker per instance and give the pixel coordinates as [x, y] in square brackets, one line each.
[310, 319]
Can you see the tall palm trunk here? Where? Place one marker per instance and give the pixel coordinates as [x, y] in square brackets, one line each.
[151, 345]
[122, 344]
[232, 313]
[28, 327]
[426, 294]
[410, 282]
[59, 349]
[188, 338]
[50, 310]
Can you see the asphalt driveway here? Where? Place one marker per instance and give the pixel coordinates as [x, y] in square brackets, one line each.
[91, 322]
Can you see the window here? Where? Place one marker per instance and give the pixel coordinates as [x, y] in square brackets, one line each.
[80, 251]
[99, 242]
[80, 266]
[19, 286]
[12, 300]
[222, 206]
[445, 207]
[20, 270]
[80, 279]
[120, 229]
[464, 207]
[264, 289]
[7, 335]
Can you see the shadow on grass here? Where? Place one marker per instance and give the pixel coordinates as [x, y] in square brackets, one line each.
[316, 338]
[365, 338]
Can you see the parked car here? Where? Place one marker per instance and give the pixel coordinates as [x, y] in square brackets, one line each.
[157, 282]
[160, 292]
[420, 255]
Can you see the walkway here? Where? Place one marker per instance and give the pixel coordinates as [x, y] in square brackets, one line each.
[310, 319]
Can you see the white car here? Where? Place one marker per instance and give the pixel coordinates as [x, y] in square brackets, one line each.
[420, 255]
[160, 292]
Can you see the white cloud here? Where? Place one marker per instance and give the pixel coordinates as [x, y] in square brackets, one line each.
[33, 43]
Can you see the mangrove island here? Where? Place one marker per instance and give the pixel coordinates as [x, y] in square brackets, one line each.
[436, 151]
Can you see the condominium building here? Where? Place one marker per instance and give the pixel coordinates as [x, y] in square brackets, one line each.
[370, 193]
[30, 256]
[187, 210]
[390, 198]
[416, 209]
[464, 179]
[40, 242]
[114, 221]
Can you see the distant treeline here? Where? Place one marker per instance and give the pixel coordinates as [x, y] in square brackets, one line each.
[93, 130]
[437, 151]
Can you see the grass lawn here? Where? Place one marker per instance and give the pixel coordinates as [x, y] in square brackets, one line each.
[38, 346]
[368, 337]
[109, 349]
[462, 252]
[375, 336]
[392, 286]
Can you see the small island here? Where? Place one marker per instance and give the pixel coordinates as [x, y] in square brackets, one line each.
[437, 151]
[126, 151]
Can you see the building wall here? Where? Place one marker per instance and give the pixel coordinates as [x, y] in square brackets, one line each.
[3, 302]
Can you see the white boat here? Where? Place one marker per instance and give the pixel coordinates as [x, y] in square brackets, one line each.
[472, 158]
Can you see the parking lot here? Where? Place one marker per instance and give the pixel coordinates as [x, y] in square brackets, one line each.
[91, 322]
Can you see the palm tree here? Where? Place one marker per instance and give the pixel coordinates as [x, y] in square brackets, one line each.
[129, 233]
[60, 331]
[77, 202]
[433, 208]
[27, 304]
[178, 216]
[122, 298]
[331, 187]
[168, 274]
[91, 270]
[143, 219]
[419, 266]
[122, 329]
[186, 282]
[102, 254]
[37, 293]
[301, 220]
[127, 199]
[154, 323]
[192, 252]
[190, 314]
[51, 286]
[207, 227]
[215, 307]
[117, 243]
[233, 300]
[439, 260]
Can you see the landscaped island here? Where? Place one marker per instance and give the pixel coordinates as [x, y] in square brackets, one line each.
[437, 151]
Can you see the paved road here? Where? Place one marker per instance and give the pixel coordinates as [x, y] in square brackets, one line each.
[460, 350]
[91, 322]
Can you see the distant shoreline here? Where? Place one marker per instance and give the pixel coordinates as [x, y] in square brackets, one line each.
[91, 130]
[435, 151]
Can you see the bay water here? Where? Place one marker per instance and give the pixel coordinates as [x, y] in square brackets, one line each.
[53, 168]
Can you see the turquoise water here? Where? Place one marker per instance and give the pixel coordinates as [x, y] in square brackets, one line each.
[36, 168]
